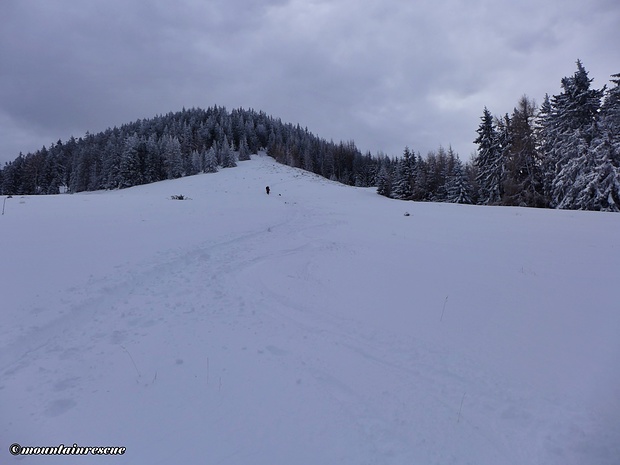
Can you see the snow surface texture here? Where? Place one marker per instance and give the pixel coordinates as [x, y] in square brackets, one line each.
[316, 325]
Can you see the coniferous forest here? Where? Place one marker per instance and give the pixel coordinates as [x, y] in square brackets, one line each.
[563, 154]
[176, 145]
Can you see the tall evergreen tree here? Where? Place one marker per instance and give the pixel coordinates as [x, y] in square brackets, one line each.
[307, 159]
[458, 187]
[226, 155]
[488, 161]
[602, 182]
[173, 158]
[403, 176]
[575, 125]
[154, 164]
[420, 182]
[210, 164]
[132, 162]
[81, 167]
[53, 170]
[384, 177]
[244, 150]
[545, 135]
[198, 159]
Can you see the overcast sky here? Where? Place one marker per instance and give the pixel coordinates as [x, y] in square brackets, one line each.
[385, 73]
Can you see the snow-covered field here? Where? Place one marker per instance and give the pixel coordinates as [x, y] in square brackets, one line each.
[316, 325]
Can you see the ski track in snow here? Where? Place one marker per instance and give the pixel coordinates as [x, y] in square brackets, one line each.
[239, 348]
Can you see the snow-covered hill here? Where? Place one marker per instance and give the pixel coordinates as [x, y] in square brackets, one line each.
[316, 325]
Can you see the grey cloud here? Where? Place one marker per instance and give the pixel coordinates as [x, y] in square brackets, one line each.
[386, 73]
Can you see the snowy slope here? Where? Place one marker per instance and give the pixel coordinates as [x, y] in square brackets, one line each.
[316, 325]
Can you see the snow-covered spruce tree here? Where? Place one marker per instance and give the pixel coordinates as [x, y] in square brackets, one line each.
[434, 178]
[307, 159]
[574, 122]
[95, 177]
[364, 167]
[471, 174]
[610, 116]
[210, 164]
[458, 187]
[396, 179]
[226, 155]
[173, 160]
[611, 108]
[78, 176]
[420, 182]
[446, 161]
[545, 135]
[602, 182]
[111, 164]
[403, 176]
[154, 163]
[503, 130]
[31, 178]
[384, 177]
[129, 171]
[197, 158]
[244, 151]
[488, 161]
[53, 172]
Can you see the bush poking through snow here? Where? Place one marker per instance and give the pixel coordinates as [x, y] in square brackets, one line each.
[179, 197]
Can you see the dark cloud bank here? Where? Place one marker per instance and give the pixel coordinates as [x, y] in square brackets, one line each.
[383, 73]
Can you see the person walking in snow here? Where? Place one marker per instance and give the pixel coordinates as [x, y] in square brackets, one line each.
[267, 189]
